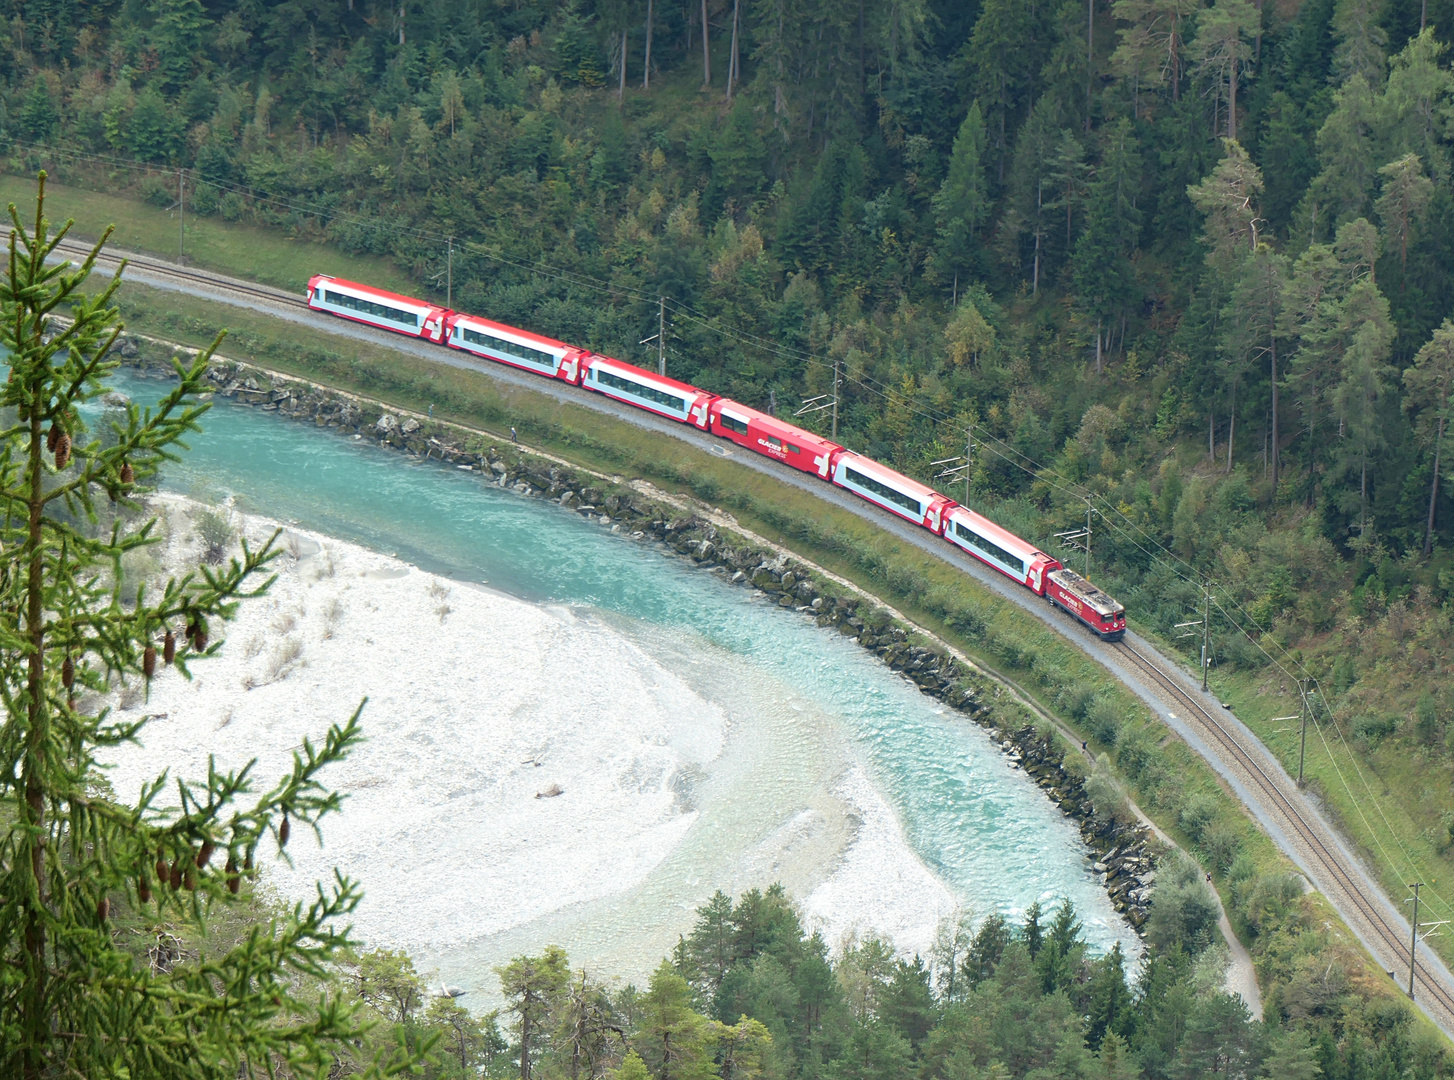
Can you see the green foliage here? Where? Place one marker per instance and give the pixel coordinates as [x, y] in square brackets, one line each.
[71, 854]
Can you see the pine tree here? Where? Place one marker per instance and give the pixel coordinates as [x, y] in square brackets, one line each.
[177, 34]
[1361, 41]
[1104, 277]
[1254, 324]
[75, 1002]
[1429, 382]
[1366, 333]
[1152, 44]
[673, 1039]
[962, 203]
[1221, 53]
[534, 987]
[1228, 198]
[1401, 206]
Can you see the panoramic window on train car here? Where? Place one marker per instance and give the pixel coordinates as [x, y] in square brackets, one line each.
[640, 390]
[369, 307]
[731, 423]
[774, 442]
[989, 548]
[509, 348]
[790, 448]
[893, 495]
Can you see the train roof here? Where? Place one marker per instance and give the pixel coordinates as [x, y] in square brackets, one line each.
[643, 374]
[1072, 582]
[990, 531]
[521, 337]
[773, 426]
[884, 474]
[382, 294]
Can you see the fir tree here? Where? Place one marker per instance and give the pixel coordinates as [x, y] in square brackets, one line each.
[73, 1001]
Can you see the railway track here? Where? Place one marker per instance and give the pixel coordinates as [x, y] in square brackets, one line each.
[1302, 833]
[108, 261]
[1388, 941]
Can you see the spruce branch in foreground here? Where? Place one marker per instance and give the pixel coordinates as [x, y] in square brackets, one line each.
[72, 1002]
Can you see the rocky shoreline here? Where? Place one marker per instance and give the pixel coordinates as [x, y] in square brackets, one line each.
[1125, 854]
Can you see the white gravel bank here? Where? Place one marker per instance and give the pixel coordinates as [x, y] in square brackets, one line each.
[479, 703]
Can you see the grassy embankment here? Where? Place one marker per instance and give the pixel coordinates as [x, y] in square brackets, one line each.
[1161, 773]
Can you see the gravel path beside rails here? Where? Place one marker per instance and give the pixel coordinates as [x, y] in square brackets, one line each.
[1249, 769]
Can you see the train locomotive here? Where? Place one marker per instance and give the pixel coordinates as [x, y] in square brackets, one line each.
[906, 498]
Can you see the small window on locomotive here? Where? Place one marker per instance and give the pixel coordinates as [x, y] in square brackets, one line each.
[731, 423]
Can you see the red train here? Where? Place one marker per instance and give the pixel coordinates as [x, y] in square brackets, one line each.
[971, 533]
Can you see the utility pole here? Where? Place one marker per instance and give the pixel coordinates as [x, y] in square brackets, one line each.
[836, 382]
[1087, 538]
[449, 277]
[1080, 539]
[181, 209]
[1206, 635]
[1414, 936]
[661, 338]
[968, 460]
[1205, 622]
[1302, 745]
[958, 466]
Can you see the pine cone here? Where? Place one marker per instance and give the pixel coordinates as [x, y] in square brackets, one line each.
[190, 880]
[234, 882]
[161, 868]
[63, 450]
[169, 648]
[103, 909]
[283, 830]
[51, 437]
[199, 639]
[174, 877]
[128, 474]
[205, 855]
[68, 673]
[143, 890]
[149, 661]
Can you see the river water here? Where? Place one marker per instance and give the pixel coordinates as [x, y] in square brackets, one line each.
[820, 738]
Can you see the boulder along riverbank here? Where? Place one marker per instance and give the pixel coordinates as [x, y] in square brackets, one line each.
[1125, 853]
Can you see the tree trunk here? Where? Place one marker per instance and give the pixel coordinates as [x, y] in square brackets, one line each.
[1273, 343]
[1232, 101]
[706, 49]
[646, 64]
[1090, 59]
[36, 988]
[1212, 437]
[1098, 346]
[1433, 490]
[734, 62]
[1231, 429]
[1363, 495]
[625, 46]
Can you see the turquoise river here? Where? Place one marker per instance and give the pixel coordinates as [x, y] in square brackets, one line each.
[979, 826]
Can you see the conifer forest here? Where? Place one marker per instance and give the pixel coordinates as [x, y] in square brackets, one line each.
[1185, 264]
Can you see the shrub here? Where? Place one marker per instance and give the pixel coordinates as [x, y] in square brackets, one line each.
[1370, 730]
[1183, 910]
[217, 530]
[1199, 811]
[1104, 718]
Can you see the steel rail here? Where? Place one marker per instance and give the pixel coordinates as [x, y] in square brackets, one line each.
[1392, 937]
